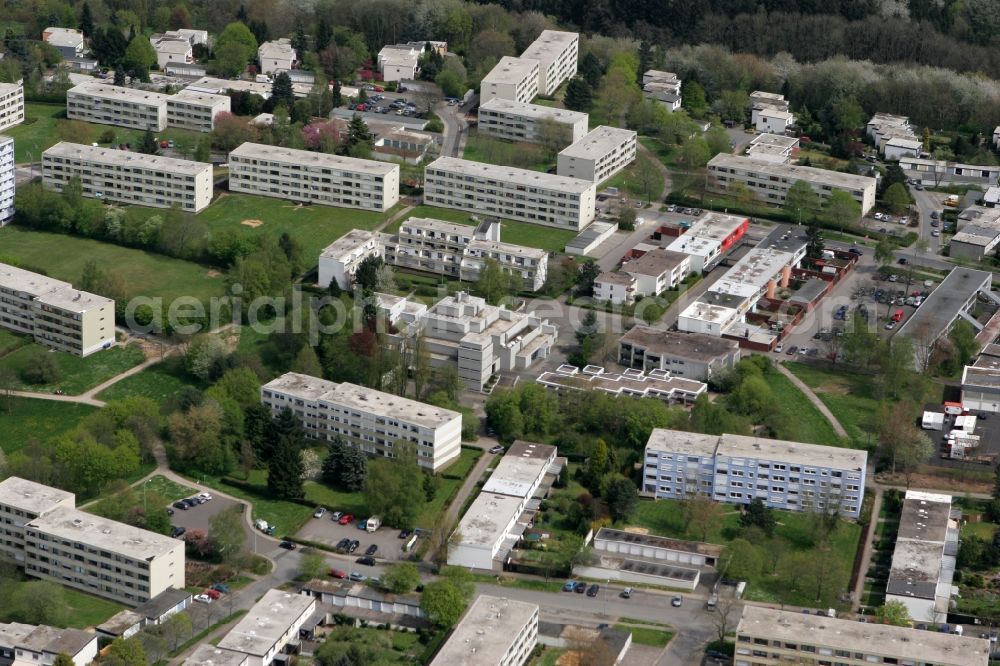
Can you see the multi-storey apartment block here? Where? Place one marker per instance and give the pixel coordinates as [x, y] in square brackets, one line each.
[494, 632]
[8, 179]
[135, 178]
[458, 250]
[303, 175]
[276, 56]
[512, 78]
[116, 105]
[42, 532]
[556, 53]
[772, 637]
[665, 87]
[57, 315]
[599, 155]
[770, 182]
[195, 111]
[518, 121]
[737, 469]
[339, 261]
[509, 193]
[374, 421]
[765, 102]
[11, 105]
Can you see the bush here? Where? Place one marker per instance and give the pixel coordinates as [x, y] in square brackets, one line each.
[41, 369]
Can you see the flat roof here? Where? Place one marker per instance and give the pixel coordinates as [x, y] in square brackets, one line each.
[12, 633]
[279, 48]
[349, 242]
[905, 142]
[122, 539]
[126, 158]
[615, 277]
[634, 383]
[442, 226]
[211, 83]
[512, 175]
[521, 469]
[777, 140]
[121, 622]
[49, 291]
[916, 569]
[209, 655]
[267, 622]
[163, 602]
[511, 70]
[598, 142]
[131, 95]
[977, 376]
[170, 45]
[760, 94]
[32, 497]
[654, 541]
[939, 310]
[693, 346]
[793, 172]
[486, 632]
[308, 158]
[486, 520]
[194, 97]
[550, 45]
[360, 397]
[925, 516]
[679, 441]
[900, 642]
[655, 262]
[57, 641]
[978, 225]
[533, 111]
[801, 453]
[658, 74]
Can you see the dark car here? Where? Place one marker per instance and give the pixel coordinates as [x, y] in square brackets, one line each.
[856, 251]
[180, 504]
[288, 545]
[903, 261]
[371, 550]
[354, 546]
[177, 530]
[593, 590]
[367, 560]
[220, 587]
[343, 544]
[405, 534]
[580, 587]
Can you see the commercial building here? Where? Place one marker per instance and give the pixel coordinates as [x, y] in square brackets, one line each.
[371, 420]
[737, 469]
[924, 557]
[339, 261]
[665, 87]
[616, 287]
[770, 182]
[54, 313]
[771, 637]
[195, 111]
[276, 56]
[599, 155]
[271, 625]
[690, 355]
[171, 50]
[657, 271]
[496, 518]
[510, 193]
[67, 41]
[519, 121]
[512, 78]
[310, 177]
[117, 105]
[775, 148]
[134, 178]
[495, 631]
[556, 53]
[978, 233]
[657, 384]
[981, 389]
[710, 237]
[23, 644]
[479, 339]
[8, 179]
[11, 105]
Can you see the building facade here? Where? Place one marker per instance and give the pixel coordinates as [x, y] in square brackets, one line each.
[690, 355]
[195, 111]
[67, 41]
[601, 154]
[512, 78]
[519, 121]
[134, 178]
[709, 238]
[269, 627]
[116, 105]
[171, 51]
[23, 644]
[21, 501]
[631, 383]
[616, 287]
[736, 469]
[371, 420]
[310, 177]
[340, 260]
[557, 53]
[398, 62]
[657, 271]
[494, 632]
[276, 56]
[11, 105]
[54, 313]
[509, 193]
[8, 179]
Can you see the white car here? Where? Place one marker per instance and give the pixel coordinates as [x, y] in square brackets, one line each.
[935, 233]
[203, 598]
[779, 348]
[206, 496]
[319, 512]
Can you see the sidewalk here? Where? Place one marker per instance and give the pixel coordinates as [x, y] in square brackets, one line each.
[867, 546]
[813, 398]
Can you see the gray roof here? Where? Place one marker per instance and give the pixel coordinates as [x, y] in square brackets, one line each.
[267, 622]
[665, 543]
[511, 70]
[533, 111]
[522, 467]
[655, 262]
[512, 175]
[935, 316]
[162, 602]
[209, 655]
[693, 346]
[55, 641]
[32, 497]
[598, 142]
[122, 539]
[489, 628]
[309, 158]
[126, 158]
[550, 45]
[678, 441]
[121, 93]
[808, 455]
[793, 172]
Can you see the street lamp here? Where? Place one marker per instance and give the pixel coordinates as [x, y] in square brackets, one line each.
[144, 495]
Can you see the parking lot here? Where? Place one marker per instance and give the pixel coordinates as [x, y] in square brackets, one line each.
[198, 517]
[329, 532]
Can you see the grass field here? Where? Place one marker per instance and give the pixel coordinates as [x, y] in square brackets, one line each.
[83, 610]
[158, 382]
[11, 341]
[145, 274]
[803, 422]
[158, 486]
[850, 396]
[981, 530]
[629, 180]
[492, 150]
[77, 375]
[25, 419]
[519, 233]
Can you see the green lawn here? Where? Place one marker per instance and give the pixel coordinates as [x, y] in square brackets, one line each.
[24, 419]
[83, 610]
[314, 227]
[803, 422]
[158, 487]
[981, 530]
[159, 382]
[850, 396]
[647, 636]
[144, 273]
[77, 374]
[492, 150]
[11, 341]
[519, 233]
[628, 179]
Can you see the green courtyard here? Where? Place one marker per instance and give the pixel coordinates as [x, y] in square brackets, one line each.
[519, 233]
[159, 382]
[25, 419]
[76, 375]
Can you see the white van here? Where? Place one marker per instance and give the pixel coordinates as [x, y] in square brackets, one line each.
[373, 523]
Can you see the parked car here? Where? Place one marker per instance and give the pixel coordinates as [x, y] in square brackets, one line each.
[177, 531]
[288, 545]
[337, 573]
[220, 587]
[580, 587]
[319, 512]
[343, 544]
[405, 534]
[935, 233]
[903, 261]
[371, 550]
[213, 594]
[180, 505]
[362, 524]
[677, 601]
[203, 598]
[792, 350]
[336, 515]
[496, 449]
[626, 593]
[569, 586]
[367, 560]
[205, 497]
[856, 251]
[779, 348]
[357, 577]
[354, 546]
[593, 590]
[170, 511]
[346, 519]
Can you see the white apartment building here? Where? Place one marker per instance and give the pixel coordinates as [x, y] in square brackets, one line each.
[772, 637]
[776, 148]
[601, 154]
[339, 261]
[556, 53]
[631, 383]
[103, 557]
[512, 78]
[737, 469]
[519, 121]
[135, 178]
[761, 101]
[23, 644]
[67, 41]
[170, 50]
[773, 121]
[510, 193]
[310, 177]
[399, 61]
[665, 87]
[57, 315]
[116, 105]
[276, 56]
[8, 179]
[495, 631]
[208, 655]
[371, 420]
[271, 625]
[770, 182]
[11, 105]
[657, 271]
[459, 250]
[482, 340]
[615, 286]
[195, 111]
[21, 501]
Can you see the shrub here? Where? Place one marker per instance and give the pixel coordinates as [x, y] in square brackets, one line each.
[41, 369]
